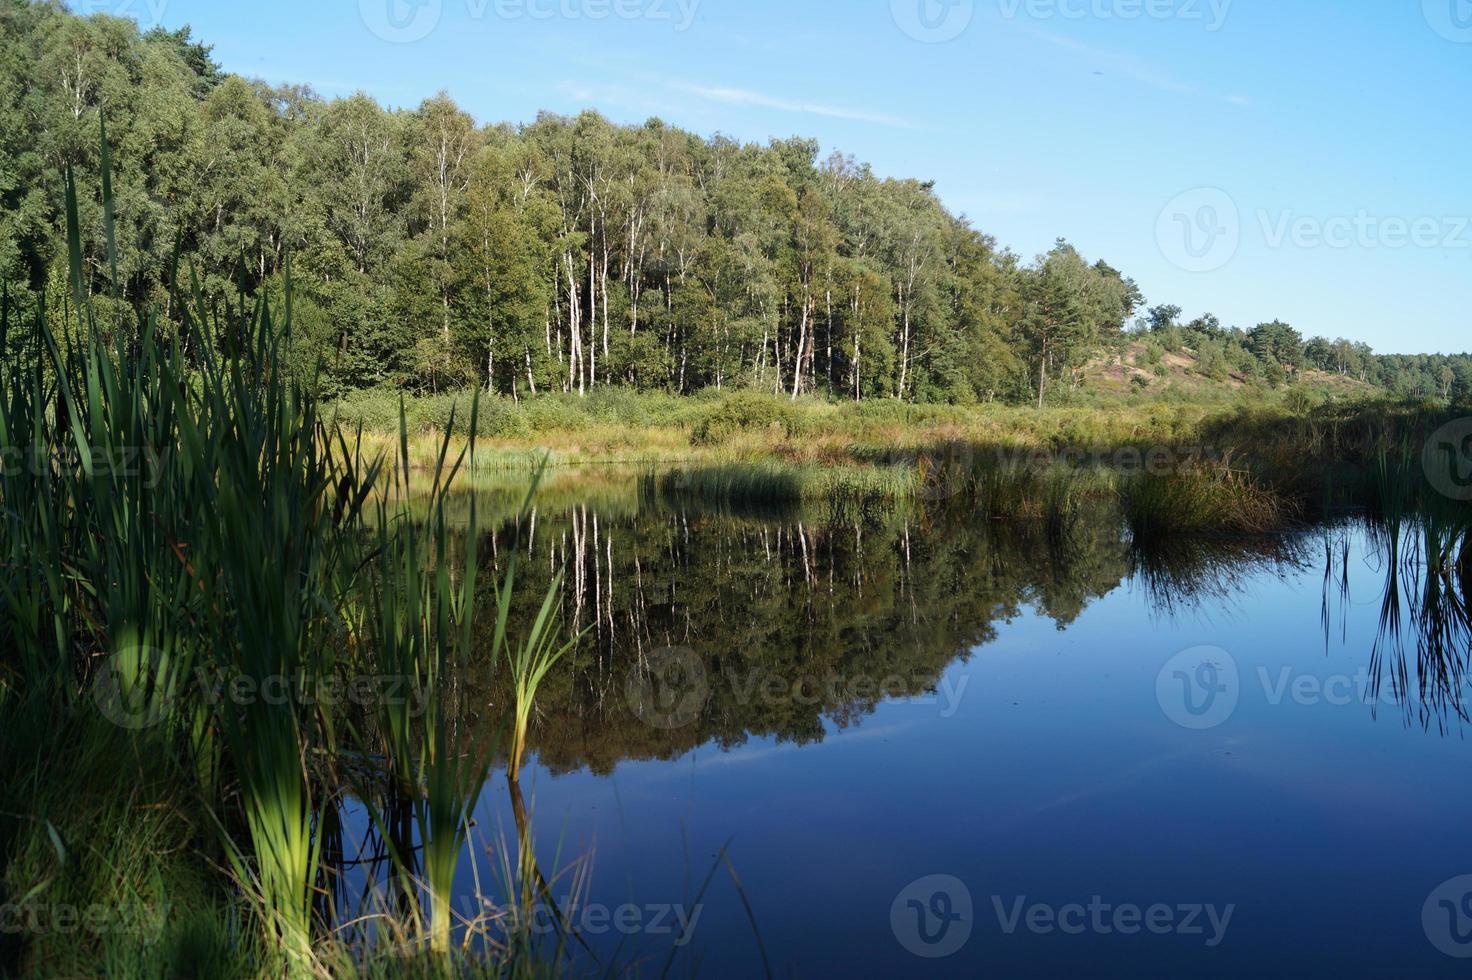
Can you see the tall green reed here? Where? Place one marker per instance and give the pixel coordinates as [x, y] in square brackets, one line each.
[178, 510]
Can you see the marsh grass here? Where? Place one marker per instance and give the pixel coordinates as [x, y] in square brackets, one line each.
[1312, 459]
[169, 510]
[104, 828]
[1201, 500]
[788, 483]
[1189, 500]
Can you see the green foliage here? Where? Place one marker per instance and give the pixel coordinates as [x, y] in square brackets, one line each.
[746, 413]
[566, 255]
[165, 521]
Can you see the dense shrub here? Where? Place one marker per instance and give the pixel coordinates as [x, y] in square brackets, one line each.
[746, 412]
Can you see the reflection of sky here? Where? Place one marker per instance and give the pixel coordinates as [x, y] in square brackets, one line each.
[1059, 778]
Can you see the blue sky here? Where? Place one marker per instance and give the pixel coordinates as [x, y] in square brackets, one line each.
[1299, 159]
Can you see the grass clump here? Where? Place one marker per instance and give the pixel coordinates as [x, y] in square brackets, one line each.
[1201, 500]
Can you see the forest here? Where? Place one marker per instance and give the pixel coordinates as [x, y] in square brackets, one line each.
[428, 252]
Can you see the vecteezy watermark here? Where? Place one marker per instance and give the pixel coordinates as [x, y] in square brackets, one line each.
[1289, 686]
[1447, 460]
[401, 21]
[1101, 918]
[1364, 230]
[407, 21]
[36, 918]
[831, 690]
[933, 916]
[1447, 917]
[1202, 230]
[671, 688]
[1211, 13]
[594, 919]
[933, 21]
[142, 463]
[1202, 688]
[1155, 460]
[668, 689]
[1452, 19]
[949, 469]
[137, 686]
[1199, 688]
[148, 13]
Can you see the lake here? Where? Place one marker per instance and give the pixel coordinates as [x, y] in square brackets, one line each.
[889, 744]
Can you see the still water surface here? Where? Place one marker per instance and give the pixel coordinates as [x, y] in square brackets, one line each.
[915, 736]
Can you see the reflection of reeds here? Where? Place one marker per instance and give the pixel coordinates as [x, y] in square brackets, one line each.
[1191, 572]
[1423, 608]
[419, 614]
[529, 660]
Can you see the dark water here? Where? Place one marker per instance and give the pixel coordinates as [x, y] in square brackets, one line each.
[918, 736]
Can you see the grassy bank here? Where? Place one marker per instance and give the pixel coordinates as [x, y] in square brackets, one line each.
[1250, 466]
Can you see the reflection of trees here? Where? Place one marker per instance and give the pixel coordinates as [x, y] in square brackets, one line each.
[823, 609]
[826, 613]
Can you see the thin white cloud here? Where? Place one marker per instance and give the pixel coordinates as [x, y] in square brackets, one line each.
[745, 97]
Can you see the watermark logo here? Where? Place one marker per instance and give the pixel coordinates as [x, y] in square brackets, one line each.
[1452, 19]
[933, 917]
[669, 690]
[1206, 922]
[596, 919]
[773, 689]
[1447, 917]
[117, 464]
[135, 687]
[1364, 230]
[1199, 688]
[148, 13]
[1447, 460]
[145, 924]
[933, 21]
[401, 21]
[407, 21]
[1211, 13]
[1200, 230]
[944, 470]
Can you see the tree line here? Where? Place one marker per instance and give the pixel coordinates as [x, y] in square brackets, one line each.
[429, 252]
[1274, 353]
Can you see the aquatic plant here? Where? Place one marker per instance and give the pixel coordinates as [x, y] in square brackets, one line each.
[1201, 500]
[179, 522]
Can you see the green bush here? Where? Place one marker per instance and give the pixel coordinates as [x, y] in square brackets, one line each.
[746, 412]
